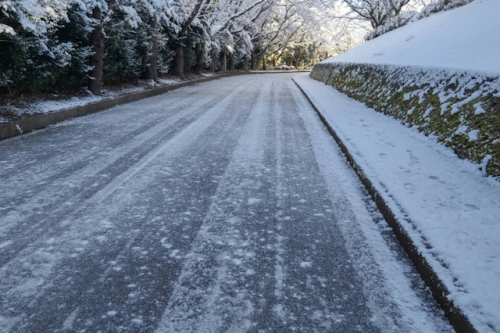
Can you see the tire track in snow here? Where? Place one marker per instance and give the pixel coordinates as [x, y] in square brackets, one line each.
[209, 295]
[96, 184]
[132, 268]
[297, 302]
[91, 166]
[264, 260]
[397, 297]
[17, 152]
[230, 227]
[95, 150]
[321, 289]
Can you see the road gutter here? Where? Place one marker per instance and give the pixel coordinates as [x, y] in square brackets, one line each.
[454, 314]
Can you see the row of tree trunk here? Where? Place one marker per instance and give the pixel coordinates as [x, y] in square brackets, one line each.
[151, 70]
[97, 59]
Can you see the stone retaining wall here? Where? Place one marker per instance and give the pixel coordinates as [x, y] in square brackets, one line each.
[462, 110]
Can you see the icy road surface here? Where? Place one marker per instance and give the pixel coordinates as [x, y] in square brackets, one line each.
[221, 207]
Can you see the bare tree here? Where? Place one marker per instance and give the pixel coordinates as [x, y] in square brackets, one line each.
[377, 12]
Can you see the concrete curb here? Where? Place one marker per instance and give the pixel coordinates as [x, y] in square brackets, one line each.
[19, 127]
[278, 72]
[456, 317]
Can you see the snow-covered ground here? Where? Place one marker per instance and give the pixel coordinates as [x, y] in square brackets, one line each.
[48, 106]
[454, 211]
[219, 207]
[465, 38]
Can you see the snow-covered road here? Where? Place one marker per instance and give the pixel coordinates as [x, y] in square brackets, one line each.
[221, 207]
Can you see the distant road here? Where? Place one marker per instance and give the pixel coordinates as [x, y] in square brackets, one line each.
[221, 207]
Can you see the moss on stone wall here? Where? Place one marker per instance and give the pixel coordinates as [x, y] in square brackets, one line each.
[461, 109]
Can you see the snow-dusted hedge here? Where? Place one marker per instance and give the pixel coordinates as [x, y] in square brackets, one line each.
[461, 109]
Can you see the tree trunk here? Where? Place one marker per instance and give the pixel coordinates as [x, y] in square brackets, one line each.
[178, 47]
[223, 62]
[264, 65]
[179, 59]
[200, 57]
[97, 59]
[214, 59]
[231, 62]
[315, 56]
[54, 78]
[151, 70]
[252, 60]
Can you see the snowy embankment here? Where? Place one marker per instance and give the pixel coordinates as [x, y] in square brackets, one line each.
[48, 106]
[440, 74]
[444, 204]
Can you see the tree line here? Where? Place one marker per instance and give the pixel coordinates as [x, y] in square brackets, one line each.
[47, 45]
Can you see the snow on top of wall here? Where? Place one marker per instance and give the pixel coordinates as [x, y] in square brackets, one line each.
[465, 38]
